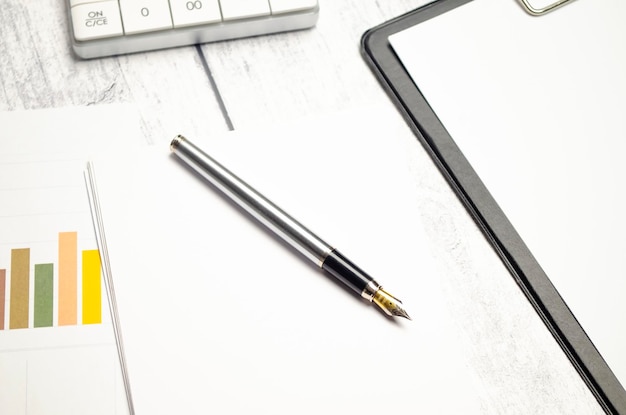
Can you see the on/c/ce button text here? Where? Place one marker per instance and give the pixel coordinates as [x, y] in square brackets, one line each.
[96, 20]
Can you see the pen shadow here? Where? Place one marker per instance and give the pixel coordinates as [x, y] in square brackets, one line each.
[232, 204]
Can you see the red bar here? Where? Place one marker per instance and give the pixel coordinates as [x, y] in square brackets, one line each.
[3, 284]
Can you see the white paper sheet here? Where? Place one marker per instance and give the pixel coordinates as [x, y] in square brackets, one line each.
[60, 369]
[217, 315]
[537, 106]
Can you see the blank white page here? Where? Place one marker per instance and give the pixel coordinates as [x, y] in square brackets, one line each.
[538, 107]
[218, 316]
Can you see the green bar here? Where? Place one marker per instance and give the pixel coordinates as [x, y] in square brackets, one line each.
[20, 274]
[43, 295]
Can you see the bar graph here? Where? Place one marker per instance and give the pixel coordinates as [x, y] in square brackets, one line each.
[18, 301]
[58, 352]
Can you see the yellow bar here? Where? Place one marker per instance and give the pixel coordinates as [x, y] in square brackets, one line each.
[68, 278]
[20, 275]
[92, 296]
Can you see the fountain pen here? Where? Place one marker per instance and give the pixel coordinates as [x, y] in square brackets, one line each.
[287, 228]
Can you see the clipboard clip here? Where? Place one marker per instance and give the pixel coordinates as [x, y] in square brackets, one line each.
[542, 10]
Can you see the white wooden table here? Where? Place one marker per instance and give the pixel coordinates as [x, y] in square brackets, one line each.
[209, 89]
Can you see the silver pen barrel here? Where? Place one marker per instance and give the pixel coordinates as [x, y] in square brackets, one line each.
[262, 209]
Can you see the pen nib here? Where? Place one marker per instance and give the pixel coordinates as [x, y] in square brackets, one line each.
[389, 304]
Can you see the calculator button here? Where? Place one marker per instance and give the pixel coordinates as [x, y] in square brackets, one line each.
[145, 15]
[195, 12]
[288, 6]
[241, 9]
[96, 20]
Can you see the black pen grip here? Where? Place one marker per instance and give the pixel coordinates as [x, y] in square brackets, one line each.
[345, 271]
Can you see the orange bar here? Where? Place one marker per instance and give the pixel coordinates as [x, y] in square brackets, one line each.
[68, 278]
[20, 275]
[3, 282]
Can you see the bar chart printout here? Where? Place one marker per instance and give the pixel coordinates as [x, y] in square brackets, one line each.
[18, 278]
[56, 336]
[58, 353]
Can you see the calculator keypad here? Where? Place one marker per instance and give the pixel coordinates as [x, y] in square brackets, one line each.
[110, 18]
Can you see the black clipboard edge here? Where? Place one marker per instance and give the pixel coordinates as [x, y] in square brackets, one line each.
[530, 277]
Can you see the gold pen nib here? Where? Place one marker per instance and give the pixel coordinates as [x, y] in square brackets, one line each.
[389, 304]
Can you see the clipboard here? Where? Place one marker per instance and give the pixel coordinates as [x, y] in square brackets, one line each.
[432, 132]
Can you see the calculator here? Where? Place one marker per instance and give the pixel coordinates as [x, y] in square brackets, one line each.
[114, 27]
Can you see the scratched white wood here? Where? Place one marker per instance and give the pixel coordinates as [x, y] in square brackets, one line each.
[38, 70]
[272, 78]
[517, 364]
